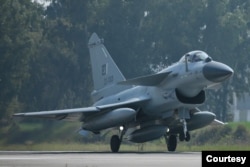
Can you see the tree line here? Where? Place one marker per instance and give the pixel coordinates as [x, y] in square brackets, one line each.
[44, 59]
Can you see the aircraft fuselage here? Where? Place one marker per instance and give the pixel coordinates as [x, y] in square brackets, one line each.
[183, 88]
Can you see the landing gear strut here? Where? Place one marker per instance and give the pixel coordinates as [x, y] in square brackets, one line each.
[184, 135]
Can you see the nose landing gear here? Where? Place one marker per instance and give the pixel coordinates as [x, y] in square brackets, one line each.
[184, 135]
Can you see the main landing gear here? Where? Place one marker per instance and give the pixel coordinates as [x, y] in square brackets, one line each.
[115, 141]
[171, 141]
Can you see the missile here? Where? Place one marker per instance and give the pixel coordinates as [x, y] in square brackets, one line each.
[116, 117]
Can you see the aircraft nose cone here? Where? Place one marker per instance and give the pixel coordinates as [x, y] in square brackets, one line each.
[216, 72]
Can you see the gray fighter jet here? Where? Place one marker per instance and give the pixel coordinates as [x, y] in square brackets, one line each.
[149, 107]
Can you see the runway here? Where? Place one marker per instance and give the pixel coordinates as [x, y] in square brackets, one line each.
[91, 159]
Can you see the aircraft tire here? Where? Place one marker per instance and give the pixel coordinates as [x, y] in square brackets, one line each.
[172, 143]
[115, 143]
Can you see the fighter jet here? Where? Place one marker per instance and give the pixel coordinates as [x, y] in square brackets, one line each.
[146, 108]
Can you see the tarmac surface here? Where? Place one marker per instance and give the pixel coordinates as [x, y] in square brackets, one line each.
[98, 159]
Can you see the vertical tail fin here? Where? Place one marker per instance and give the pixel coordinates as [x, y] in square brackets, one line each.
[105, 72]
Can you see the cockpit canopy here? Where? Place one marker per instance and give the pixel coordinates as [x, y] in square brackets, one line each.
[196, 56]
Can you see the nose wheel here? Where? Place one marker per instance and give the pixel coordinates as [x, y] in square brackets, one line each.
[183, 137]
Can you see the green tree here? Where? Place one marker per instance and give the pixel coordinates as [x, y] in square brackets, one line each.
[226, 39]
[44, 59]
[20, 34]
